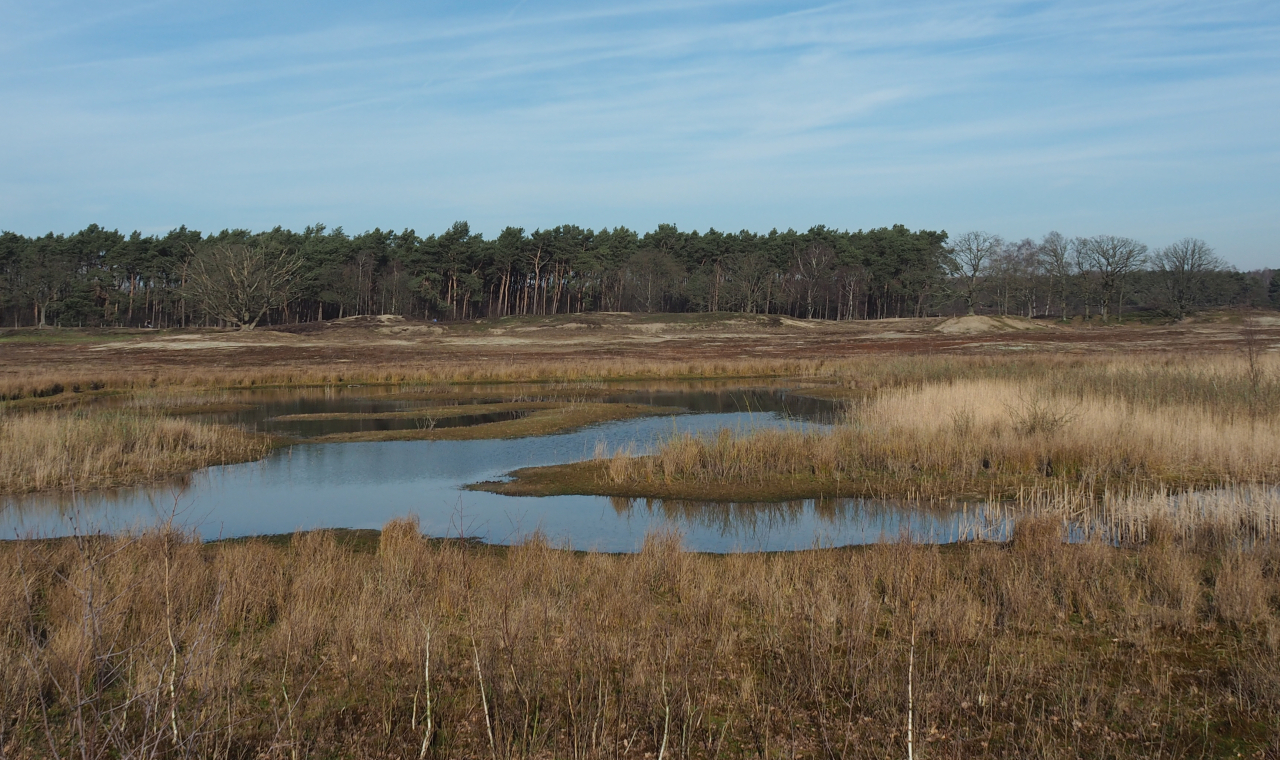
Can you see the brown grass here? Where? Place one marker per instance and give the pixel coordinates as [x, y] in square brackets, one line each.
[1222, 384]
[1218, 380]
[982, 436]
[158, 646]
[93, 448]
[36, 385]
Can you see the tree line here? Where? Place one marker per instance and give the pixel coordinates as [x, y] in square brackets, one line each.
[100, 277]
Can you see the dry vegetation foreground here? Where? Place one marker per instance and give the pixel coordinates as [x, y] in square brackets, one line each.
[158, 646]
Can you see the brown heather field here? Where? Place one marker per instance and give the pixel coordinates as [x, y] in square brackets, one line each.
[47, 363]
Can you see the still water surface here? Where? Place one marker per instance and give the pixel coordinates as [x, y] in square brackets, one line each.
[362, 485]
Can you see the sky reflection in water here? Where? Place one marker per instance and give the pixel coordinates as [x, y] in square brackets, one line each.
[363, 485]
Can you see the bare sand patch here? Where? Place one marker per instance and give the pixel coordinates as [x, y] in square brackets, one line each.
[167, 346]
[976, 325]
[789, 322]
[649, 327]
[413, 330]
[489, 341]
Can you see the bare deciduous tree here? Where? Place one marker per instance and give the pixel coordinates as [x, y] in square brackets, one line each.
[1114, 258]
[1013, 272]
[747, 280]
[810, 270]
[1055, 259]
[968, 259]
[239, 284]
[1182, 269]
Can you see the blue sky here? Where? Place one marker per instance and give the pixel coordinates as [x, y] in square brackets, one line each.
[1156, 120]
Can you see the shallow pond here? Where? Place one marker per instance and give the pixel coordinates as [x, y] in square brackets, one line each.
[362, 485]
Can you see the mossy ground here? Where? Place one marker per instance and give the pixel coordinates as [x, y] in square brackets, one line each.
[590, 478]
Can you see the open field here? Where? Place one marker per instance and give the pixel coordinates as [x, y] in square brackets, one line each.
[158, 646]
[35, 363]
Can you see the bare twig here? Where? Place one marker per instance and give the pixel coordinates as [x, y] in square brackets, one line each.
[484, 700]
[426, 675]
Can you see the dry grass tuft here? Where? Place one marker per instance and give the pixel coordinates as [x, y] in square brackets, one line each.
[94, 449]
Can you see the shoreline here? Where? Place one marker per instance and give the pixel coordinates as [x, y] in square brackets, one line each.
[591, 478]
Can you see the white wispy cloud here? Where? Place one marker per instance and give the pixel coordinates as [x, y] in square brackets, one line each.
[999, 114]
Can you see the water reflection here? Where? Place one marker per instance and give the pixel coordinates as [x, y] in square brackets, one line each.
[362, 485]
[314, 428]
[699, 397]
[832, 522]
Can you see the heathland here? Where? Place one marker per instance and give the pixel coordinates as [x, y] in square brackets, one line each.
[972, 407]
[1161, 639]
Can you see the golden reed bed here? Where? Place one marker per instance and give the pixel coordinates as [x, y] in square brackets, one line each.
[159, 646]
[978, 437]
[87, 449]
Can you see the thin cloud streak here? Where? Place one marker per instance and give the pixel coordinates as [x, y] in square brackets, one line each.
[992, 114]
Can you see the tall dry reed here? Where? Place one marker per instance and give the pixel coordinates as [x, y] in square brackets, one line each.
[979, 437]
[158, 646]
[98, 448]
[1223, 383]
